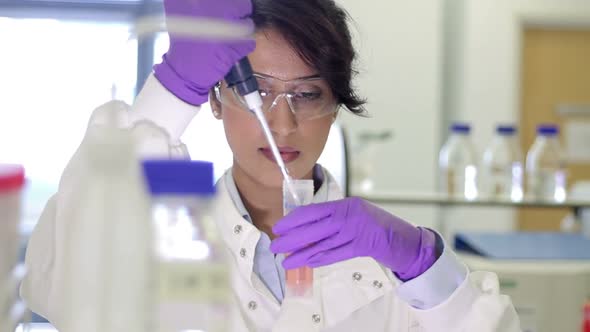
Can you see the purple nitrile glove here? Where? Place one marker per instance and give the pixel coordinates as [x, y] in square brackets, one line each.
[191, 67]
[326, 233]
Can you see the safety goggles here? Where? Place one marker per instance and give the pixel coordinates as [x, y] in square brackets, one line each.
[308, 98]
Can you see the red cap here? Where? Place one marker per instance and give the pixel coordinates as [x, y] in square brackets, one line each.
[12, 177]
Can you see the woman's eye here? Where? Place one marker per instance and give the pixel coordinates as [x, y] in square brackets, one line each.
[308, 96]
[264, 93]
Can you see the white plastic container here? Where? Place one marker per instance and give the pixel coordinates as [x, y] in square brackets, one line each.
[193, 289]
[11, 184]
[107, 252]
[457, 164]
[501, 175]
[546, 166]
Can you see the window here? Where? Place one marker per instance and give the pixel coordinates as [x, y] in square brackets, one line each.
[54, 74]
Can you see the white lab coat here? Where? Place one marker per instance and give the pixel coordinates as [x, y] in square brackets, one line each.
[339, 303]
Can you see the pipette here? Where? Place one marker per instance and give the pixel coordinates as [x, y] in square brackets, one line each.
[241, 77]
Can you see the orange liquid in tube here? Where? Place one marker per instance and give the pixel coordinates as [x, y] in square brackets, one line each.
[299, 282]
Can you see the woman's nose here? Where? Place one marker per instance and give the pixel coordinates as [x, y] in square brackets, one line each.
[281, 119]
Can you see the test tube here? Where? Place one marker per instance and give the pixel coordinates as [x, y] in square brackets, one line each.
[299, 282]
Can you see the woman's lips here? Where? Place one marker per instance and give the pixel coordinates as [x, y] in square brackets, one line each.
[287, 153]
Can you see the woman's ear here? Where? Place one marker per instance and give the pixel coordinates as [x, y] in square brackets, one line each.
[215, 104]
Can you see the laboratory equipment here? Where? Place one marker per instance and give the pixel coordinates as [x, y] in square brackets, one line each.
[364, 163]
[12, 179]
[546, 167]
[457, 165]
[299, 282]
[107, 259]
[194, 290]
[501, 175]
[548, 294]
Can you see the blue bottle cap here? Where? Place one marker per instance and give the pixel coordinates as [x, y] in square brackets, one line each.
[506, 130]
[461, 128]
[179, 177]
[547, 129]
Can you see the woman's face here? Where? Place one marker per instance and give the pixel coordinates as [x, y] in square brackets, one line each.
[300, 142]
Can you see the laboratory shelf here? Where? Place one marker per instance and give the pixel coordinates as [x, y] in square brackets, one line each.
[409, 198]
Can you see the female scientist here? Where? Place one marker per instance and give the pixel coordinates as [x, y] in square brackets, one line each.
[373, 271]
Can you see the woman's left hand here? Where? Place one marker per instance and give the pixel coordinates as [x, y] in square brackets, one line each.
[326, 233]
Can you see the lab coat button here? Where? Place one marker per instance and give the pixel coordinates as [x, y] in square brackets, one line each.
[316, 318]
[357, 276]
[237, 229]
[377, 284]
[252, 305]
[243, 252]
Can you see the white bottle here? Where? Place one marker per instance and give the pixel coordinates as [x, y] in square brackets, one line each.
[501, 175]
[108, 245]
[546, 167]
[457, 164]
[193, 290]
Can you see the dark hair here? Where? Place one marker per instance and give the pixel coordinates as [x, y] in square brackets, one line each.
[318, 31]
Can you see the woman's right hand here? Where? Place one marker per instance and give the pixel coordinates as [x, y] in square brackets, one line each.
[191, 67]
